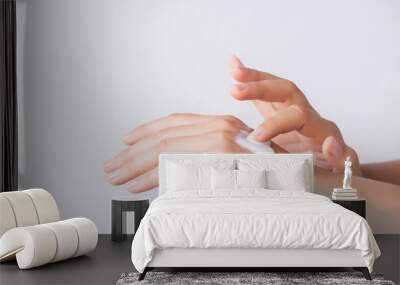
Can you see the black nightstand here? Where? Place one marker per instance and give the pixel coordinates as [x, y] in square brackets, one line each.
[357, 206]
[133, 203]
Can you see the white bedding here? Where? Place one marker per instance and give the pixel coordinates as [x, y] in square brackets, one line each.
[252, 218]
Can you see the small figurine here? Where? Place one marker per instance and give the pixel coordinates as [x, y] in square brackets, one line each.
[347, 192]
[347, 174]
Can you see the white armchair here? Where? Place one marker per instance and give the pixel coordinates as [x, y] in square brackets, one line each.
[31, 231]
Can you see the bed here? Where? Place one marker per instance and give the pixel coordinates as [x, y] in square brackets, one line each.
[247, 211]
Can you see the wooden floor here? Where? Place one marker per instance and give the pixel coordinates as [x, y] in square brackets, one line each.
[110, 260]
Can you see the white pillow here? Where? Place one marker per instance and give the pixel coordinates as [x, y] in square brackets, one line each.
[251, 178]
[281, 174]
[223, 179]
[184, 175]
[292, 178]
[237, 179]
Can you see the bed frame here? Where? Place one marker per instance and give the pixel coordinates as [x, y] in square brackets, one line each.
[236, 259]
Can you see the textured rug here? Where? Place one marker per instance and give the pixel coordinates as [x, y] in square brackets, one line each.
[269, 278]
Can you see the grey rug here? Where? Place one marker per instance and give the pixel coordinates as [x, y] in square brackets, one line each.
[269, 278]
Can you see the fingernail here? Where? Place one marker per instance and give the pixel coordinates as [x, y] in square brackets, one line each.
[257, 134]
[245, 131]
[239, 63]
[108, 166]
[241, 87]
[125, 137]
[113, 175]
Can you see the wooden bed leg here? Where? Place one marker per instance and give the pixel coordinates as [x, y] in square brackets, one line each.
[142, 275]
[364, 271]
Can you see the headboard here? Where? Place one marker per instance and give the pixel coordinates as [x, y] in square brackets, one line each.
[165, 158]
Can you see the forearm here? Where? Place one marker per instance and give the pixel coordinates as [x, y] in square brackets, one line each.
[388, 172]
[383, 199]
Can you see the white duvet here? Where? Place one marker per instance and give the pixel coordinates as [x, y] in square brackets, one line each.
[250, 219]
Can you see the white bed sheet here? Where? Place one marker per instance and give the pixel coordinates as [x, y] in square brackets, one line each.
[252, 218]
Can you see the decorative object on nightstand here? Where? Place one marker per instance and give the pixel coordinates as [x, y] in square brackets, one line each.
[127, 212]
[346, 192]
[357, 206]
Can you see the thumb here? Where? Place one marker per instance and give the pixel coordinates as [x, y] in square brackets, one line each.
[335, 152]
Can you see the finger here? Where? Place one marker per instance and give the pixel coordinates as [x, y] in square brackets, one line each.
[145, 161]
[333, 151]
[336, 151]
[323, 163]
[170, 121]
[144, 182]
[277, 148]
[284, 121]
[117, 161]
[242, 73]
[267, 109]
[234, 126]
[223, 123]
[277, 90]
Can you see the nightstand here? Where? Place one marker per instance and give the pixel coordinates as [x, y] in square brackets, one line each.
[122, 204]
[357, 206]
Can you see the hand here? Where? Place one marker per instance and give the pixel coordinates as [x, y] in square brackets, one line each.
[289, 119]
[137, 165]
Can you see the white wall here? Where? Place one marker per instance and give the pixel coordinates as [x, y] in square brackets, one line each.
[90, 70]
